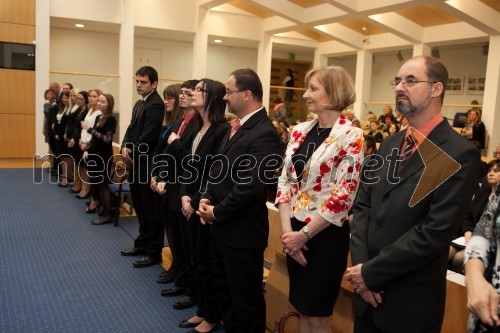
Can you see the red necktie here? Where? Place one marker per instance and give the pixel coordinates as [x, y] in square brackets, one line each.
[235, 128]
[182, 127]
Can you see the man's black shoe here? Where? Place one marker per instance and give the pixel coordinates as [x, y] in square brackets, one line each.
[135, 251]
[174, 291]
[184, 303]
[167, 277]
[147, 261]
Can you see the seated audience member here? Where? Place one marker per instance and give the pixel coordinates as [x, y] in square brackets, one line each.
[388, 121]
[496, 153]
[310, 117]
[475, 130]
[280, 111]
[398, 118]
[479, 202]
[481, 269]
[393, 129]
[375, 132]
[404, 123]
[370, 116]
[386, 112]
[349, 113]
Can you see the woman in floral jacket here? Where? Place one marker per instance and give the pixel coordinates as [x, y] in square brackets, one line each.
[315, 192]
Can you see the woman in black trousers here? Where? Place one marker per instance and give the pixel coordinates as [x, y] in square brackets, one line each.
[208, 101]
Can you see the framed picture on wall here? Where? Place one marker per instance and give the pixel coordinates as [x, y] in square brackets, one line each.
[455, 85]
[475, 84]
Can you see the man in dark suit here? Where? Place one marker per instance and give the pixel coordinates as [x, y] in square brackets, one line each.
[137, 150]
[237, 208]
[408, 210]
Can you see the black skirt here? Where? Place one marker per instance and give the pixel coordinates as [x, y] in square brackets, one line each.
[314, 289]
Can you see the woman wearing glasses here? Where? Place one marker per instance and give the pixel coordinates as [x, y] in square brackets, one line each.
[315, 192]
[209, 103]
[172, 113]
[177, 145]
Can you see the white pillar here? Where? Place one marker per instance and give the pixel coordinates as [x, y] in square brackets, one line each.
[265, 53]
[320, 60]
[200, 45]
[125, 67]
[42, 77]
[491, 100]
[421, 49]
[362, 81]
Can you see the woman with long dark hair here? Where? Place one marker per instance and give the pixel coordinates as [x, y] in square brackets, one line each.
[73, 135]
[209, 103]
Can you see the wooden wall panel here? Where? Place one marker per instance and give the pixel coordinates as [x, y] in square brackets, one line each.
[17, 95]
[17, 33]
[17, 136]
[17, 11]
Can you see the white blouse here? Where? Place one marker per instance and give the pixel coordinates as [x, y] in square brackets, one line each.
[89, 119]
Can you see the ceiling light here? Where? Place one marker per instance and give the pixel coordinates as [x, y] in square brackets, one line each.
[218, 41]
[79, 25]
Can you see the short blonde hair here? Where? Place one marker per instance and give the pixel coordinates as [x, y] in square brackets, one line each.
[338, 85]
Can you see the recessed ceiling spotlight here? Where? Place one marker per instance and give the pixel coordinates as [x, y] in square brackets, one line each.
[218, 41]
[79, 25]
[364, 28]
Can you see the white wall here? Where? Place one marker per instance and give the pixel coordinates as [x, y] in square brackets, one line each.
[460, 60]
[222, 60]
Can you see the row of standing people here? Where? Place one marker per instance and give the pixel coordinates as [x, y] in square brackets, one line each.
[80, 127]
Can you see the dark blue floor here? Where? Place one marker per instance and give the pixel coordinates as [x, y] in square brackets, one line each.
[60, 273]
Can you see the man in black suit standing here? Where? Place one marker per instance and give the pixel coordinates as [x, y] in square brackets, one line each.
[409, 208]
[137, 150]
[236, 207]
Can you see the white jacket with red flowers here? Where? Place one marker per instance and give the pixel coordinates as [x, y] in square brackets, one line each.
[331, 176]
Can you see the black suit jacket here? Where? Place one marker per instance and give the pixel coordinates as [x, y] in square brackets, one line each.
[143, 132]
[194, 179]
[404, 250]
[238, 190]
[168, 166]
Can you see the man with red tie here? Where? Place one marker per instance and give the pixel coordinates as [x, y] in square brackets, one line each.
[405, 217]
[237, 192]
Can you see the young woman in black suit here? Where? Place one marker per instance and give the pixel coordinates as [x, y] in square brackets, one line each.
[209, 103]
[73, 135]
[57, 134]
[99, 154]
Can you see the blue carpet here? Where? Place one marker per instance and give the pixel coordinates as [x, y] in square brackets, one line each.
[60, 273]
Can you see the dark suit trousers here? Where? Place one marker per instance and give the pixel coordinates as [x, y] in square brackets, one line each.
[199, 241]
[237, 277]
[178, 226]
[150, 228]
[365, 324]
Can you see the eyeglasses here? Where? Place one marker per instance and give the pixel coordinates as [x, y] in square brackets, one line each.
[408, 82]
[186, 93]
[230, 92]
[200, 89]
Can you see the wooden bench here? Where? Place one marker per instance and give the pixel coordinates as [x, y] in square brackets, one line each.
[277, 285]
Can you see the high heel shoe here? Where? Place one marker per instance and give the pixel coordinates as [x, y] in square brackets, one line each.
[92, 210]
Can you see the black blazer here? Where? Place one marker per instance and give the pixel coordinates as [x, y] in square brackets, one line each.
[193, 183]
[403, 249]
[239, 191]
[168, 165]
[477, 207]
[143, 131]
